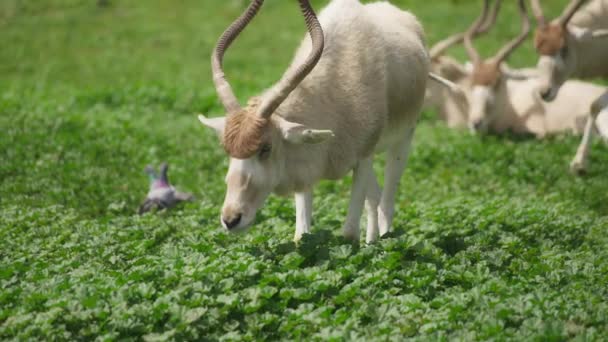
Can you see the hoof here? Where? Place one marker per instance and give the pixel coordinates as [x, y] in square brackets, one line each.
[578, 168]
[384, 226]
[350, 234]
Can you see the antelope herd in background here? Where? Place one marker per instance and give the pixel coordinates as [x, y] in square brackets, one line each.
[356, 87]
[539, 101]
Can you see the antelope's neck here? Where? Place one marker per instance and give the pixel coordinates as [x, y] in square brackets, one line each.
[591, 57]
[593, 15]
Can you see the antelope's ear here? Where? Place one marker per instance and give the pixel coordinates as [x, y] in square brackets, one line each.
[452, 70]
[580, 33]
[299, 134]
[519, 74]
[217, 124]
[468, 67]
[585, 35]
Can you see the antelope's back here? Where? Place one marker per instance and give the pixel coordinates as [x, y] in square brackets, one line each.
[368, 86]
[406, 60]
[593, 15]
[372, 74]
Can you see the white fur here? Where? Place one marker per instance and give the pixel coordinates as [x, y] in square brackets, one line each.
[303, 202]
[482, 99]
[363, 97]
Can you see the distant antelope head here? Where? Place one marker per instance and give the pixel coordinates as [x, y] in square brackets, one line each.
[486, 74]
[554, 42]
[449, 68]
[252, 136]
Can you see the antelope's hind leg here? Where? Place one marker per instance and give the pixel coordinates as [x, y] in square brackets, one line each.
[580, 162]
[361, 174]
[372, 201]
[396, 161]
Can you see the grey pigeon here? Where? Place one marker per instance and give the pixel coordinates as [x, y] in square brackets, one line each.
[162, 194]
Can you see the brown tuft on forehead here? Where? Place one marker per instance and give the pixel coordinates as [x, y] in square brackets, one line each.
[486, 74]
[244, 132]
[549, 39]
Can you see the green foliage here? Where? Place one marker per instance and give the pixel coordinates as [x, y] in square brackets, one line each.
[494, 239]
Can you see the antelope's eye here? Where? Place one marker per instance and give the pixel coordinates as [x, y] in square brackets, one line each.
[265, 151]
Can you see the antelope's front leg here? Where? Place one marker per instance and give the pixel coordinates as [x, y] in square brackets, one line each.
[303, 213]
[361, 175]
[579, 163]
[371, 202]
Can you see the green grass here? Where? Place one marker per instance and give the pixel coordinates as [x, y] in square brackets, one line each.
[494, 238]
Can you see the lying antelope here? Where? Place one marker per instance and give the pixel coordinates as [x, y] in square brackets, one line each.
[329, 114]
[574, 45]
[487, 76]
[515, 106]
[456, 107]
[450, 103]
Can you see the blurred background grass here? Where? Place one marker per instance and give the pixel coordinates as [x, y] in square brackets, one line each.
[75, 43]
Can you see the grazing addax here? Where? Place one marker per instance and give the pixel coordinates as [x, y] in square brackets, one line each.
[329, 114]
[574, 45]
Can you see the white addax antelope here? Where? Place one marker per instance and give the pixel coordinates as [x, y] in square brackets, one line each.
[482, 86]
[516, 106]
[330, 113]
[451, 102]
[574, 45]
[487, 75]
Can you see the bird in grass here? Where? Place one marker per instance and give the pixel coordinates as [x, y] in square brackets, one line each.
[162, 194]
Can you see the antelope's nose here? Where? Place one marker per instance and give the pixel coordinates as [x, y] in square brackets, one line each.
[477, 125]
[547, 95]
[231, 221]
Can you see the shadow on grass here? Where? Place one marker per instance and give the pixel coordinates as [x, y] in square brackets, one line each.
[314, 247]
[451, 244]
[511, 136]
[394, 233]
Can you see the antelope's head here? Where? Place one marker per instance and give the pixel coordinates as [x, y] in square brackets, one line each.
[486, 75]
[555, 43]
[449, 68]
[252, 136]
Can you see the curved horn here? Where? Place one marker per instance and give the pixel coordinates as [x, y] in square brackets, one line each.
[491, 20]
[569, 12]
[290, 80]
[451, 86]
[468, 44]
[440, 47]
[224, 91]
[525, 30]
[537, 9]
